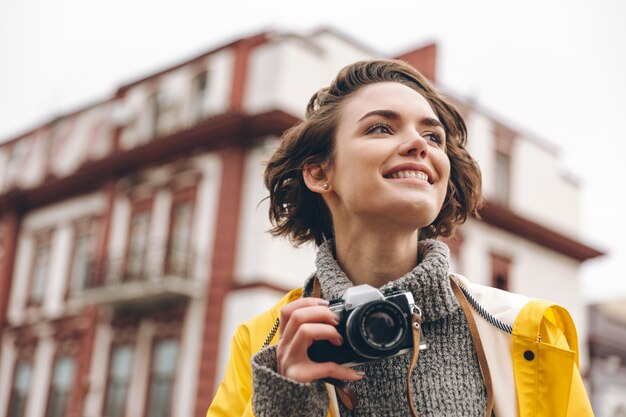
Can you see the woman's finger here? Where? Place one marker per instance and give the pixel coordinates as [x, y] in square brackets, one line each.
[311, 314]
[287, 310]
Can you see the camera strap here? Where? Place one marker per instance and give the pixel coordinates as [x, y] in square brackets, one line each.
[478, 345]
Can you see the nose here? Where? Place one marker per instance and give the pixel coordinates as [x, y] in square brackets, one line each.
[414, 145]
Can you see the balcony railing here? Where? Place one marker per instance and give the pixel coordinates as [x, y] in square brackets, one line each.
[157, 280]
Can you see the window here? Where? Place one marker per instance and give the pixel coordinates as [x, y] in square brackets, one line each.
[119, 377]
[198, 92]
[503, 178]
[178, 254]
[500, 266]
[39, 272]
[162, 377]
[62, 381]
[16, 158]
[83, 256]
[155, 110]
[19, 393]
[137, 243]
[504, 142]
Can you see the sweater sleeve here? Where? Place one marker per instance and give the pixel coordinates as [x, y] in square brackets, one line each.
[276, 395]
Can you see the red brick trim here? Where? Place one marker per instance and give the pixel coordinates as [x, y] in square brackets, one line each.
[424, 59]
[503, 218]
[242, 51]
[222, 270]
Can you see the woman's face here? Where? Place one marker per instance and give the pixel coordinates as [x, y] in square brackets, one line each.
[391, 165]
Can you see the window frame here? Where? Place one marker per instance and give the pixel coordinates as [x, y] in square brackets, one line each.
[94, 226]
[501, 271]
[504, 141]
[114, 345]
[139, 206]
[185, 195]
[57, 356]
[156, 339]
[41, 238]
[11, 403]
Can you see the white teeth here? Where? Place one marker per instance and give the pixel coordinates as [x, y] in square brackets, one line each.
[410, 174]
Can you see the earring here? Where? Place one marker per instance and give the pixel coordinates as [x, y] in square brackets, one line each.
[325, 186]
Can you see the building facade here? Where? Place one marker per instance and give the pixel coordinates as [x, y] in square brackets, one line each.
[133, 231]
[607, 351]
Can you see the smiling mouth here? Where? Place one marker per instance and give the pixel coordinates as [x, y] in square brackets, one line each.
[420, 175]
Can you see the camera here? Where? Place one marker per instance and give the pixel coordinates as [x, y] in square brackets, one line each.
[373, 324]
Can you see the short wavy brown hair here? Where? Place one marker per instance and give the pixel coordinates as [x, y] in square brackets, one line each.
[302, 215]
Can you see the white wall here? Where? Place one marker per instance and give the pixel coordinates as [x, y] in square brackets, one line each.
[260, 256]
[285, 73]
[8, 355]
[539, 190]
[536, 272]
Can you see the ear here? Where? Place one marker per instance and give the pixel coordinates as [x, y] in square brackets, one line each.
[316, 178]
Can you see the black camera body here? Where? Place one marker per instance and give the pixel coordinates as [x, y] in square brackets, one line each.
[373, 325]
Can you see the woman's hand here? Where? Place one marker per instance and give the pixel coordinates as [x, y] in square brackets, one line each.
[301, 323]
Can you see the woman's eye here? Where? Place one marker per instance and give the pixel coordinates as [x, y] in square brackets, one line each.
[434, 137]
[379, 128]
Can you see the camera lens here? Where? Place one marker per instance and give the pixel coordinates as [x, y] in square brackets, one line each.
[380, 328]
[376, 329]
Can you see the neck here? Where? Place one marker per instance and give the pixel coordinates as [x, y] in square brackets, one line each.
[376, 258]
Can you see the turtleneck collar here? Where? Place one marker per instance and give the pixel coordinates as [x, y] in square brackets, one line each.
[428, 281]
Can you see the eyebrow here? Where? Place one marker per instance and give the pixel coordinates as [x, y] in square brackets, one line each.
[392, 115]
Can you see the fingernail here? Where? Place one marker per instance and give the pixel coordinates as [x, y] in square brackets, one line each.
[322, 302]
[336, 317]
[359, 373]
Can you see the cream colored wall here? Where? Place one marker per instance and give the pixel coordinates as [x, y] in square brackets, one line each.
[41, 376]
[539, 190]
[186, 381]
[205, 216]
[136, 398]
[16, 313]
[99, 369]
[536, 272]
[8, 356]
[481, 146]
[260, 256]
[4, 160]
[286, 72]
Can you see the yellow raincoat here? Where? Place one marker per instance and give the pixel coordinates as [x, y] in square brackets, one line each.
[535, 370]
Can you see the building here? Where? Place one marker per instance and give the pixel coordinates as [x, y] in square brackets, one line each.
[607, 351]
[133, 241]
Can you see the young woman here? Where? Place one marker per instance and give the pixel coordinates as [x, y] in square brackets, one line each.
[373, 175]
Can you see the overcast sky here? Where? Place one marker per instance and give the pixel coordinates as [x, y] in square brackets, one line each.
[554, 68]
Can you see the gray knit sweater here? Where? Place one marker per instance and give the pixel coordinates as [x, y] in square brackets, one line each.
[447, 380]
